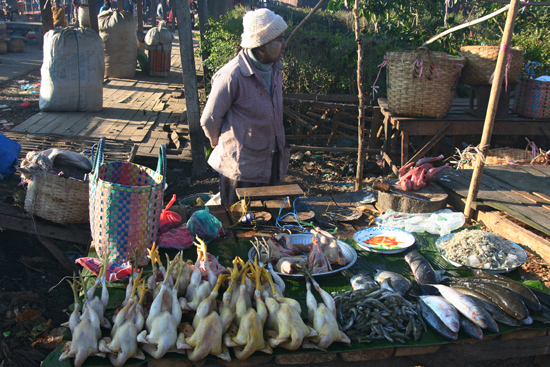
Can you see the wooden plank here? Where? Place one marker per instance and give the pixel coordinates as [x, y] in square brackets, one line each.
[535, 199]
[269, 192]
[56, 252]
[22, 127]
[10, 218]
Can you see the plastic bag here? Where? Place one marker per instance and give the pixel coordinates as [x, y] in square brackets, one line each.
[169, 219]
[441, 222]
[113, 272]
[204, 225]
[178, 238]
[9, 153]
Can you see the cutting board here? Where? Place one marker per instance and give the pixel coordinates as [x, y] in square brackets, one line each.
[436, 195]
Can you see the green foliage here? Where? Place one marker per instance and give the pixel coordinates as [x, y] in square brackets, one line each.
[322, 57]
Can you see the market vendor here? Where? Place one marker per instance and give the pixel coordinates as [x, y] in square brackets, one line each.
[243, 117]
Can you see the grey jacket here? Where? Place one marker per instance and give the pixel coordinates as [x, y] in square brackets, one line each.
[243, 121]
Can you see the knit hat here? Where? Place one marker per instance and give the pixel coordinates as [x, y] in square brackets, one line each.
[260, 27]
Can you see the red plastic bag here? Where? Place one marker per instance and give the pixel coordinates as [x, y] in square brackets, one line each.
[178, 238]
[113, 272]
[169, 219]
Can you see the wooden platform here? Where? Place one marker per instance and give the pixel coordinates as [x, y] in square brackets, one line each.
[142, 109]
[522, 192]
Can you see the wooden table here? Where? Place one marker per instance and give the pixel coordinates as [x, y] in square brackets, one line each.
[457, 122]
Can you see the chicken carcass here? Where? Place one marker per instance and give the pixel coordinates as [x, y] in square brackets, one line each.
[163, 321]
[421, 175]
[284, 326]
[129, 321]
[85, 336]
[329, 245]
[285, 265]
[249, 337]
[206, 338]
[322, 316]
[317, 261]
[227, 309]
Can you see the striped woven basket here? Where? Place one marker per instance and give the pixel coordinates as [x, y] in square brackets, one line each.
[481, 62]
[422, 83]
[125, 205]
[532, 99]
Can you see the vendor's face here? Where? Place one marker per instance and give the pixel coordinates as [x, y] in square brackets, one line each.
[273, 50]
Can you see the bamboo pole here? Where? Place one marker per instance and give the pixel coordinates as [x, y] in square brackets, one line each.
[491, 108]
[304, 21]
[361, 110]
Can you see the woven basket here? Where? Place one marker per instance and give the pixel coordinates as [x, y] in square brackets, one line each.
[481, 62]
[58, 199]
[532, 99]
[422, 83]
[16, 45]
[3, 47]
[159, 63]
[125, 206]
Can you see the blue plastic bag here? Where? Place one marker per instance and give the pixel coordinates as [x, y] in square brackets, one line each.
[9, 154]
[204, 225]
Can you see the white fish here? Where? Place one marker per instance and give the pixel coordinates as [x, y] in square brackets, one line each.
[463, 304]
[444, 310]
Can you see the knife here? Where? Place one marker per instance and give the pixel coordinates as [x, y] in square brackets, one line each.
[386, 187]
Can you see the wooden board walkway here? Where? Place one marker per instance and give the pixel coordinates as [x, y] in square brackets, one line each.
[140, 109]
[522, 192]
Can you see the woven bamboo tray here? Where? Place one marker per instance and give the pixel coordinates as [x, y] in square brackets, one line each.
[422, 83]
[481, 62]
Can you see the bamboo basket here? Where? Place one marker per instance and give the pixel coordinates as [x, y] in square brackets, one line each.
[532, 99]
[16, 45]
[481, 62]
[422, 83]
[58, 199]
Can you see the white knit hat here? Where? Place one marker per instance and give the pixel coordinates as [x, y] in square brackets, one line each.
[260, 27]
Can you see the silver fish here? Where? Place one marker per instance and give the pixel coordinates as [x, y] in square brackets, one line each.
[464, 305]
[434, 321]
[421, 268]
[363, 281]
[470, 328]
[444, 310]
[398, 282]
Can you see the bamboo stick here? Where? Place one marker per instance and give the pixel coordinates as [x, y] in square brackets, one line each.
[362, 108]
[491, 108]
[304, 21]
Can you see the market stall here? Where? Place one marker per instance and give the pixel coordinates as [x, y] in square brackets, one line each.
[427, 347]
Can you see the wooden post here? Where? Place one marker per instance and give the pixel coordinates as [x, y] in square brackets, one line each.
[361, 111]
[47, 16]
[492, 107]
[120, 4]
[164, 10]
[190, 84]
[92, 7]
[139, 11]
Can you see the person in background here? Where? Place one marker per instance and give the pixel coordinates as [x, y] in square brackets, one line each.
[243, 117]
[59, 17]
[106, 6]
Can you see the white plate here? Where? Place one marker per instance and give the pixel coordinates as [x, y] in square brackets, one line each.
[404, 238]
[305, 239]
[495, 271]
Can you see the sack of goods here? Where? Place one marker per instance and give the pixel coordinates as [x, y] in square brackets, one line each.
[125, 207]
[158, 42]
[71, 82]
[422, 83]
[57, 185]
[118, 29]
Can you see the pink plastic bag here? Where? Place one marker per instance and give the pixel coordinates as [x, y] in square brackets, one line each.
[177, 238]
[169, 219]
[114, 271]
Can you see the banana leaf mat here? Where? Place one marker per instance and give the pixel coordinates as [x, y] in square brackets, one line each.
[368, 262]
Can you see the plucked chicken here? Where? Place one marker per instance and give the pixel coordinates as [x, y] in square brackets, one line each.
[207, 331]
[249, 337]
[163, 321]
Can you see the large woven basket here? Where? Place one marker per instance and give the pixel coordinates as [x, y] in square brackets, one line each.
[16, 45]
[125, 206]
[481, 62]
[58, 199]
[422, 83]
[532, 99]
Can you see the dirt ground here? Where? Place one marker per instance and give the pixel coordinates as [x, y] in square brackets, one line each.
[34, 299]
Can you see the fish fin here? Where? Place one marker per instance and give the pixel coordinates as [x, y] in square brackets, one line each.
[429, 290]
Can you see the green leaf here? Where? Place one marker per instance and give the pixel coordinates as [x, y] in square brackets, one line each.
[6, 333]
